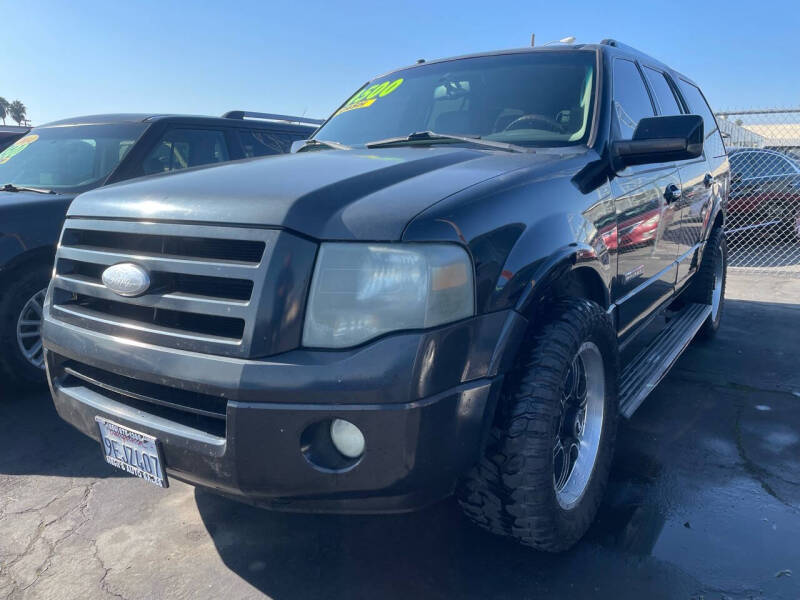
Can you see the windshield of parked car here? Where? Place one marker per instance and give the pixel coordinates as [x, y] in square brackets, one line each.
[530, 99]
[67, 158]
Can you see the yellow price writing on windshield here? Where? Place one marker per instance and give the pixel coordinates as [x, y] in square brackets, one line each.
[17, 147]
[369, 95]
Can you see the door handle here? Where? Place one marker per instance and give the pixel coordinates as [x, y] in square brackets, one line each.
[708, 180]
[672, 193]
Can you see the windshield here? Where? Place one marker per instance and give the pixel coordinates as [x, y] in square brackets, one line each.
[530, 99]
[72, 158]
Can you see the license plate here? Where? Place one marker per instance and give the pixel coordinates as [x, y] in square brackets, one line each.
[132, 451]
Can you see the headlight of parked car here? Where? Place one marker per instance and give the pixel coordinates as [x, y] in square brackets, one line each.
[360, 291]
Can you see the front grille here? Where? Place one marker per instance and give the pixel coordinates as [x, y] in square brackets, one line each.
[248, 251]
[205, 288]
[199, 411]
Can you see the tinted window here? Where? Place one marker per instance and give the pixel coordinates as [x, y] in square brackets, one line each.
[182, 148]
[631, 100]
[743, 163]
[665, 97]
[698, 106]
[535, 99]
[760, 164]
[68, 159]
[257, 142]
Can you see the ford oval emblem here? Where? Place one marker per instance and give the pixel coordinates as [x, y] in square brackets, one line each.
[126, 279]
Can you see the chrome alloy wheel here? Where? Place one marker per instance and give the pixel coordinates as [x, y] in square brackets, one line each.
[716, 293]
[29, 330]
[580, 425]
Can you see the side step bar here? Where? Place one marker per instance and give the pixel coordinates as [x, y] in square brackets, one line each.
[650, 366]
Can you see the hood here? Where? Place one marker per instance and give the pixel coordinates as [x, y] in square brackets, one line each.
[325, 194]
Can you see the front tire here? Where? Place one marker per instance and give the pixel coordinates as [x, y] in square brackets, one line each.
[21, 353]
[547, 461]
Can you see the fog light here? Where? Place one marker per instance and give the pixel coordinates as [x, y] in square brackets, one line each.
[347, 438]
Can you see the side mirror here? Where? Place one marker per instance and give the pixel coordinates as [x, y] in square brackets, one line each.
[296, 145]
[658, 140]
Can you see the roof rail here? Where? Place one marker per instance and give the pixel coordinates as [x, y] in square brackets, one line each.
[620, 45]
[242, 114]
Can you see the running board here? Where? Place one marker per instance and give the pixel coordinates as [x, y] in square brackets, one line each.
[649, 367]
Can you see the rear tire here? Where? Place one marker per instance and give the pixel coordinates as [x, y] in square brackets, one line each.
[21, 357]
[530, 485]
[708, 286]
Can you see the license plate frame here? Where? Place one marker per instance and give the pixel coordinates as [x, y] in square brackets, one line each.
[142, 456]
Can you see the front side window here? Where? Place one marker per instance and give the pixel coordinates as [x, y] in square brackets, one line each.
[180, 148]
[67, 158]
[662, 90]
[531, 99]
[631, 100]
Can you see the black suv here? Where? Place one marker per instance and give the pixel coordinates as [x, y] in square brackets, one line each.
[43, 171]
[473, 267]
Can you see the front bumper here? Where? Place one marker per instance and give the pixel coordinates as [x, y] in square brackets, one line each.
[424, 402]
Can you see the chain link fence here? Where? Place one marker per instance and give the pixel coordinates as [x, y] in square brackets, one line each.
[763, 212]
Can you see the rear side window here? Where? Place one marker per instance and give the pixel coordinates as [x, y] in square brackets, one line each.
[713, 145]
[662, 90]
[180, 148]
[258, 142]
[631, 100]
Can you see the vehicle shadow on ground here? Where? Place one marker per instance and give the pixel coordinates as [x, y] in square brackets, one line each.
[434, 553]
[437, 553]
[36, 441]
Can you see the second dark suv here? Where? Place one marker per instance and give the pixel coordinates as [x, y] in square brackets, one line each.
[43, 171]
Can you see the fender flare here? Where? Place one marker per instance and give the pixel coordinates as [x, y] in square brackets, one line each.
[562, 262]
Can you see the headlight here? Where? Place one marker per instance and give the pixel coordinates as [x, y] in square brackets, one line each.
[360, 291]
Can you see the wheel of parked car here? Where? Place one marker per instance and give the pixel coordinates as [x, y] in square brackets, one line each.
[547, 461]
[21, 353]
[708, 286]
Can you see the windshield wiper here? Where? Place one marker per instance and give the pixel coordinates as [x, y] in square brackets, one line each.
[431, 136]
[10, 187]
[316, 144]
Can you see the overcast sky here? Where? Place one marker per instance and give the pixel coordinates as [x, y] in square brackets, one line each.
[64, 59]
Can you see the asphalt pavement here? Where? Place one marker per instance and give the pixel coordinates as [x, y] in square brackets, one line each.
[704, 502]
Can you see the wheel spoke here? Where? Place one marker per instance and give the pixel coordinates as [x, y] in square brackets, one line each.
[34, 350]
[581, 423]
[35, 307]
[560, 465]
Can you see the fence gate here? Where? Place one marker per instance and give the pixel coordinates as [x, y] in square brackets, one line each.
[763, 217]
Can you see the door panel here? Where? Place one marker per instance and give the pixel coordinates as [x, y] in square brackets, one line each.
[645, 252]
[692, 208]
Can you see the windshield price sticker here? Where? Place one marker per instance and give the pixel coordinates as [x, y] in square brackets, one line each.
[17, 147]
[369, 95]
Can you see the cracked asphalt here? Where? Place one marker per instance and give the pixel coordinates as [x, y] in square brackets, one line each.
[704, 502]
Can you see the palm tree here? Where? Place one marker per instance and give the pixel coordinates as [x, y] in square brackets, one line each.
[4, 106]
[17, 111]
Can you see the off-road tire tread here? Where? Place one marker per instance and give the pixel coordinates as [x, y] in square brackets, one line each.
[510, 492]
